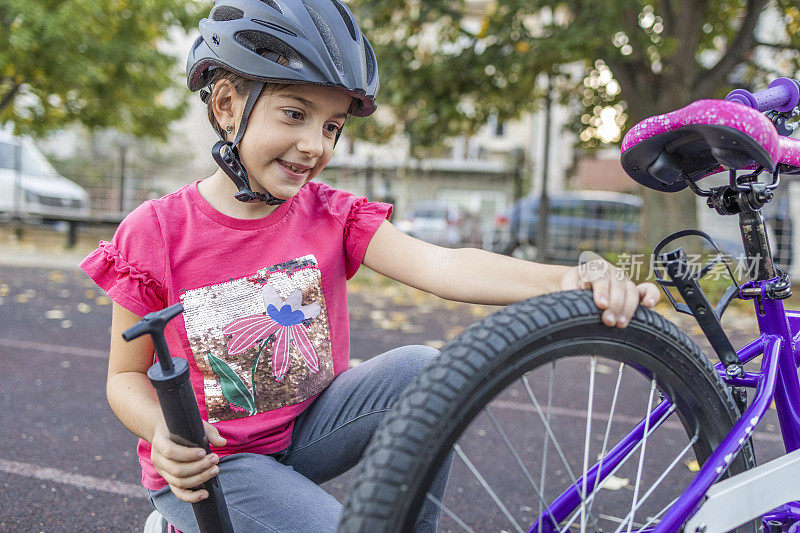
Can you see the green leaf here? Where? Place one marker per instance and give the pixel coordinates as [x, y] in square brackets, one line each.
[233, 388]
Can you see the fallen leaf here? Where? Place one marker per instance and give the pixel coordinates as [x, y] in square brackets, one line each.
[480, 312]
[693, 465]
[54, 314]
[604, 369]
[453, 332]
[615, 483]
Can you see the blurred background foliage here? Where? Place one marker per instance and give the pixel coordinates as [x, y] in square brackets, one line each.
[448, 65]
[95, 62]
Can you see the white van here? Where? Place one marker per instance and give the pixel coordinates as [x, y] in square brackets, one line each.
[35, 191]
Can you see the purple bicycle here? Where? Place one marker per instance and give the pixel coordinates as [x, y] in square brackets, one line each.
[559, 423]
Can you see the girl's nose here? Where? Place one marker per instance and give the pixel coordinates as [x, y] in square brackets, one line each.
[311, 142]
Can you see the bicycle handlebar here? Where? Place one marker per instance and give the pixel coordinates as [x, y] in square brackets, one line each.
[782, 95]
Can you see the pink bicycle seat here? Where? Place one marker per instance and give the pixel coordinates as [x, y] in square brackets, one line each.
[790, 155]
[703, 138]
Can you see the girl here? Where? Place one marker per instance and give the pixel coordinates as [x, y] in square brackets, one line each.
[259, 255]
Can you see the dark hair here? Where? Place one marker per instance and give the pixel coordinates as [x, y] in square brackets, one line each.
[242, 87]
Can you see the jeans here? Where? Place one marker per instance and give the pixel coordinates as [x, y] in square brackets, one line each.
[280, 492]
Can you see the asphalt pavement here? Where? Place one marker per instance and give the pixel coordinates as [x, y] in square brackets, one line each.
[67, 464]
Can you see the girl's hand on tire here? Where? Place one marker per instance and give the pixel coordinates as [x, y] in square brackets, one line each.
[185, 467]
[613, 292]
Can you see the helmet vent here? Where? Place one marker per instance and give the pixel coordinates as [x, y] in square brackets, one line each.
[370, 60]
[347, 17]
[326, 33]
[226, 13]
[269, 47]
[276, 27]
[273, 5]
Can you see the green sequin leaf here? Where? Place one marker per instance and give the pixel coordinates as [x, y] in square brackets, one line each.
[233, 388]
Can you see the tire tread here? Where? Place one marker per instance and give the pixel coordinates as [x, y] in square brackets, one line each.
[421, 410]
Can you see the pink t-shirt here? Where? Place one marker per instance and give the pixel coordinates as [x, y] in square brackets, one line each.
[265, 326]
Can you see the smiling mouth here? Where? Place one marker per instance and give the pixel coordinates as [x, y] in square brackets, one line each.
[296, 170]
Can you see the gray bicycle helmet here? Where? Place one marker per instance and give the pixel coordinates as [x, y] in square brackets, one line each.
[282, 41]
[319, 38]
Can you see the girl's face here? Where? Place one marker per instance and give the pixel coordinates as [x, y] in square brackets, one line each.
[290, 135]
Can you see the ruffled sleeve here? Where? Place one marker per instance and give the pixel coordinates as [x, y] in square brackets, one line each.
[130, 267]
[361, 223]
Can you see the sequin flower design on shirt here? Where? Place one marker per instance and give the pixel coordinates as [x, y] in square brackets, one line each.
[283, 319]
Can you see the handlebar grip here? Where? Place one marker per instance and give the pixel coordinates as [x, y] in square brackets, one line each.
[782, 95]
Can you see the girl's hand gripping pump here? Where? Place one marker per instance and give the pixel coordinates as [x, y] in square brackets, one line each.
[170, 378]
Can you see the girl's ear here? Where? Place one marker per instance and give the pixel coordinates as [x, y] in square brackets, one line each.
[225, 103]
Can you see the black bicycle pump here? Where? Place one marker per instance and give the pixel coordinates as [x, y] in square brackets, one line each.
[170, 378]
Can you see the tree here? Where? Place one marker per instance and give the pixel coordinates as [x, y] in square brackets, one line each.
[97, 62]
[446, 65]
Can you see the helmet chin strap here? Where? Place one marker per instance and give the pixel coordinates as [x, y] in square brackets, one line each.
[226, 155]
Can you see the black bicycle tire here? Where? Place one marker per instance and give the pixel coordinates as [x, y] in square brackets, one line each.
[400, 458]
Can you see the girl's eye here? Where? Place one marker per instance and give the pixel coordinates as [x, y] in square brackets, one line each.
[293, 114]
[332, 128]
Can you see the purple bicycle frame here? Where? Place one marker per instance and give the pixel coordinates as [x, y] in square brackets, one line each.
[777, 379]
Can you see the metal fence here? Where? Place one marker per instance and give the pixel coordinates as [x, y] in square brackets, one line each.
[577, 221]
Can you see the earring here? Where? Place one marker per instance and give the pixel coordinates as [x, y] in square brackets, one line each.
[229, 128]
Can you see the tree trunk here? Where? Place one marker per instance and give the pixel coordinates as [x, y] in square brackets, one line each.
[665, 213]
[9, 96]
[662, 213]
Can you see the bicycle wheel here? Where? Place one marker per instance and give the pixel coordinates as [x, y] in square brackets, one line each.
[530, 398]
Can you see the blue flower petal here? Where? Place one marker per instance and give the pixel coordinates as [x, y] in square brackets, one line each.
[286, 316]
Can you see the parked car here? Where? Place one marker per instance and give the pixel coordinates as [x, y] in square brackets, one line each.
[35, 189]
[578, 221]
[437, 222]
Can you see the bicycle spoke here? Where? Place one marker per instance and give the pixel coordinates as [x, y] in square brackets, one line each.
[486, 486]
[616, 519]
[641, 454]
[608, 431]
[449, 513]
[661, 478]
[511, 449]
[549, 430]
[655, 517]
[544, 444]
[589, 410]
[624, 460]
